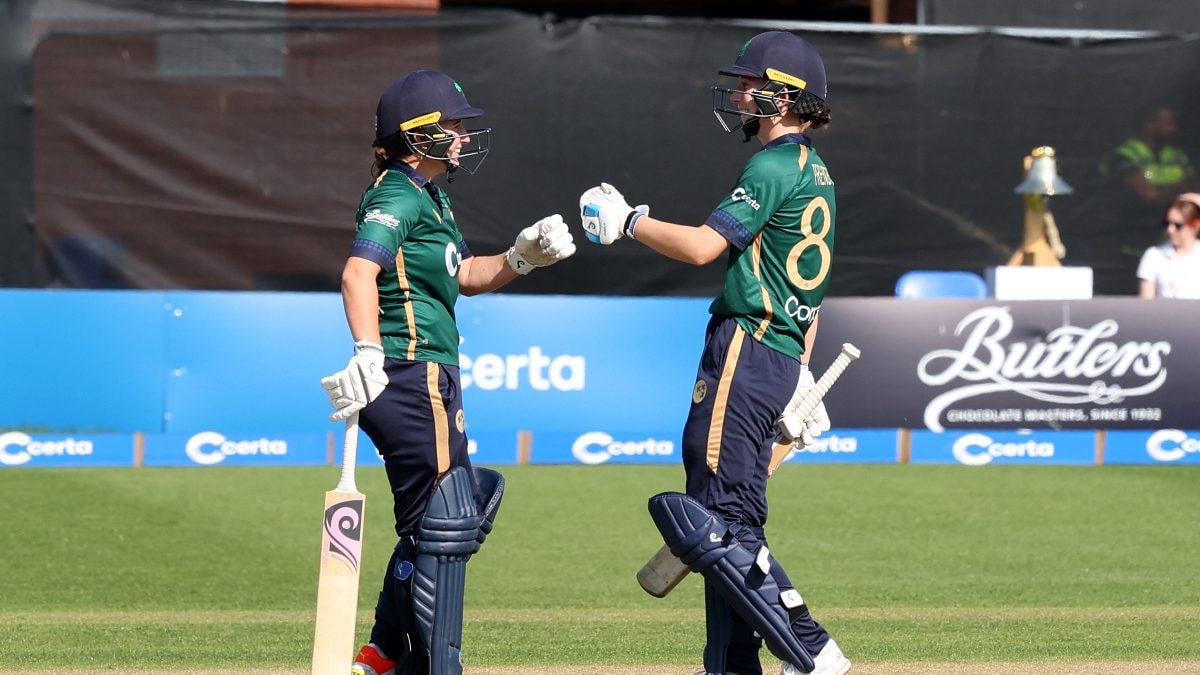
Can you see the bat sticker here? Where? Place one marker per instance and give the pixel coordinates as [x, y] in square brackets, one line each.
[343, 526]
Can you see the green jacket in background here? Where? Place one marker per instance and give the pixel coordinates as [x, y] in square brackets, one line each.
[1169, 166]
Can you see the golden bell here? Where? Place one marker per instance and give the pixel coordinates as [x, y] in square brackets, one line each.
[1041, 174]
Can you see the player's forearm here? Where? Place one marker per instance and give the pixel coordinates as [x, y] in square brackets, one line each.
[810, 339]
[685, 243]
[360, 297]
[483, 274]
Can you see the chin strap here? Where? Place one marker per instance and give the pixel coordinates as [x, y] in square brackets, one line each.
[750, 129]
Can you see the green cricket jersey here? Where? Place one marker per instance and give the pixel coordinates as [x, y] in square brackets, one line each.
[779, 219]
[405, 224]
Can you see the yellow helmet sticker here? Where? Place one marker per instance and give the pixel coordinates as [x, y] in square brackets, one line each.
[779, 76]
[421, 121]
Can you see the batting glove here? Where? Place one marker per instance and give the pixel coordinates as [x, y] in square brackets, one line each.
[607, 216]
[351, 389]
[802, 431]
[541, 244]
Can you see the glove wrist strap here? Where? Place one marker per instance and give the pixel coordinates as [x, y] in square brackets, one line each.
[361, 346]
[517, 262]
[631, 222]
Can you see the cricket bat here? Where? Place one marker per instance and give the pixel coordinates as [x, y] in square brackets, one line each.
[663, 572]
[341, 559]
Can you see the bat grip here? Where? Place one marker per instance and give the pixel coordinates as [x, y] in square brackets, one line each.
[813, 397]
[349, 455]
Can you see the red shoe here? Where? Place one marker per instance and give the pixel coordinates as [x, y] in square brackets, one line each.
[371, 661]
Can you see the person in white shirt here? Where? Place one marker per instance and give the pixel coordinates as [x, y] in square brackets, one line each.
[1172, 269]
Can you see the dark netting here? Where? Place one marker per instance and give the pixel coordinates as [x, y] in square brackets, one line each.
[227, 149]
[1161, 15]
[19, 263]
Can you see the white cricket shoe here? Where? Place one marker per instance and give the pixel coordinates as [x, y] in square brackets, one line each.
[831, 661]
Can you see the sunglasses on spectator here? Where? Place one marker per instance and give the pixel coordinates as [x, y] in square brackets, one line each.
[1171, 223]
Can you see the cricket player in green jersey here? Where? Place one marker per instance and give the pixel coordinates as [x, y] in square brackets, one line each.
[777, 226]
[407, 265]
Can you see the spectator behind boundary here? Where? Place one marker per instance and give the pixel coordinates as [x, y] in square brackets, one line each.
[1148, 168]
[1172, 269]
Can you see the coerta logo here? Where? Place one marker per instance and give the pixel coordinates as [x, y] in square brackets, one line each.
[740, 195]
[534, 369]
[832, 443]
[597, 447]
[980, 449]
[453, 259]
[210, 447]
[1166, 445]
[29, 448]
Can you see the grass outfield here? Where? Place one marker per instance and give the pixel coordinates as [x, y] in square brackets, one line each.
[215, 568]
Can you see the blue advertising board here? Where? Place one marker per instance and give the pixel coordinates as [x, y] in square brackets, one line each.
[596, 446]
[217, 448]
[251, 362]
[1163, 446]
[993, 446]
[65, 450]
[845, 446]
[492, 447]
[561, 363]
[85, 360]
[593, 380]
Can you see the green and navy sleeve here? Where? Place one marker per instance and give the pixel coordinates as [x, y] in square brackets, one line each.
[758, 193]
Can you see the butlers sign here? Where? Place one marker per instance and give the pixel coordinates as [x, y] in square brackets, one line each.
[1105, 363]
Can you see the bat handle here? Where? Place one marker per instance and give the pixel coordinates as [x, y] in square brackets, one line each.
[809, 403]
[349, 455]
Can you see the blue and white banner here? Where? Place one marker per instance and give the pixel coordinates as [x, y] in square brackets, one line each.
[214, 448]
[81, 449]
[606, 446]
[492, 447]
[847, 446]
[977, 448]
[1165, 446]
[573, 363]
[486, 448]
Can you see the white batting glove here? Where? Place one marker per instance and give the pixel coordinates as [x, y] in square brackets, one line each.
[801, 431]
[606, 215]
[541, 244]
[351, 389]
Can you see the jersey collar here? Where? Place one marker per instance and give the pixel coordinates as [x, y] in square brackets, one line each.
[406, 169]
[802, 139]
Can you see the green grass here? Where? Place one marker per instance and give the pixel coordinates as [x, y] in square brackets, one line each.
[216, 567]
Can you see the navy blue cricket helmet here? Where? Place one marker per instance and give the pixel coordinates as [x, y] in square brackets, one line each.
[413, 109]
[792, 68]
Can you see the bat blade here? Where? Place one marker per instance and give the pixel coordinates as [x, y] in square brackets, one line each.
[663, 571]
[341, 567]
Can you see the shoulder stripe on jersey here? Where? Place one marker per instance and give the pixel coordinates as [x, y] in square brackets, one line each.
[803, 157]
[409, 317]
[768, 310]
[379, 178]
[716, 427]
[441, 423]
